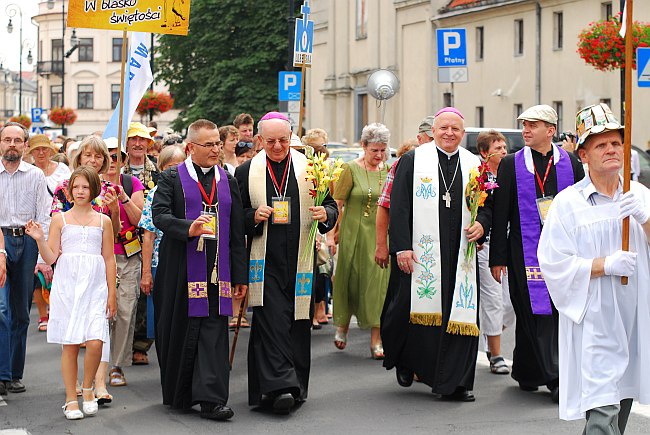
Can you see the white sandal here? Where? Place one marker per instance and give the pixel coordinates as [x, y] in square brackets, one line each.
[90, 407]
[72, 414]
[498, 365]
[340, 337]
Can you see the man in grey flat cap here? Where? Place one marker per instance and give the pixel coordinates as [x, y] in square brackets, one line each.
[528, 180]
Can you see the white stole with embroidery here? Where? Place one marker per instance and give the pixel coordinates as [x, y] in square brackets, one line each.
[426, 279]
[304, 275]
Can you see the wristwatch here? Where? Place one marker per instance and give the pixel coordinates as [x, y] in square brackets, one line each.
[2, 251]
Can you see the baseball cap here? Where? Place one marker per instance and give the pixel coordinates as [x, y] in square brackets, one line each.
[541, 112]
[595, 119]
[426, 126]
[137, 129]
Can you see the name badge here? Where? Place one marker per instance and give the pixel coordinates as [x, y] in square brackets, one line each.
[211, 225]
[281, 210]
[543, 205]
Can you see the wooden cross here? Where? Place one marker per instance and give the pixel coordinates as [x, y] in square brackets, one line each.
[447, 198]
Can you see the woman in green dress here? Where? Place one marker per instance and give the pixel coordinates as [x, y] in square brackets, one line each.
[359, 283]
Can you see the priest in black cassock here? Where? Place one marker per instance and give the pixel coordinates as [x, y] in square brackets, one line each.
[528, 180]
[279, 212]
[429, 324]
[202, 265]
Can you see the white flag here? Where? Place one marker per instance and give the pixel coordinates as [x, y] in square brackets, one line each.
[137, 79]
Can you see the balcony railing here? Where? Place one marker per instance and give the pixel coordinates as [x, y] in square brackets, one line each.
[48, 67]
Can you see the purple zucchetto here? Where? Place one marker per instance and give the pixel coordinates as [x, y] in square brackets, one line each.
[449, 110]
[274, 115]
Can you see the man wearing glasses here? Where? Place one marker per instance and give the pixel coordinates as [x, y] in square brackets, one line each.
[279, 213]
[23, 193]
[202, 259]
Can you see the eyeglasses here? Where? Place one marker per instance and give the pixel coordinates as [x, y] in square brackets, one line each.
[283, 141]
[243, 144]
[209, 144]
[15, 140]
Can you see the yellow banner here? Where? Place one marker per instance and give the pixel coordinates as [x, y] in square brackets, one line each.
[153, 16]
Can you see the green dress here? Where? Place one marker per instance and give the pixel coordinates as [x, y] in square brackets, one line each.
[359, 283]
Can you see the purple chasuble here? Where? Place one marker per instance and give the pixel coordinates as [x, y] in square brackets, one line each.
[197, 269]
[531, 225]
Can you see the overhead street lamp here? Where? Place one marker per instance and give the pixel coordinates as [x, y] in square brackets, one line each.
[11, 10]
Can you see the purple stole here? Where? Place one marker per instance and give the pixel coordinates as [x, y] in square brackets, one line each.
[197, 270]
[531, 225]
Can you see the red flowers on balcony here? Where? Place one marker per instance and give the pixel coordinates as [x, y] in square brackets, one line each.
[62, 115]
[155, 103]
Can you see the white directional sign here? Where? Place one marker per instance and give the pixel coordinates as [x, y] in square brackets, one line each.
[303, 38]
[453, 75]
[452, 47]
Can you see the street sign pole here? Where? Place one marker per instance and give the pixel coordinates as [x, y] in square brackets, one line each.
[302, 54]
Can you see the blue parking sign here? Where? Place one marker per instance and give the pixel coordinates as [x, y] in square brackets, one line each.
[36, 114]
[452, 47]
[643, 66]
[289, 83]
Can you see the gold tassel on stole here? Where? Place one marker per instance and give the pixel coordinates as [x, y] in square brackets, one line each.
[459, 328]
[426, 319]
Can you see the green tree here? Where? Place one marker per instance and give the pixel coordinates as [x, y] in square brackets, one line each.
[229, 61]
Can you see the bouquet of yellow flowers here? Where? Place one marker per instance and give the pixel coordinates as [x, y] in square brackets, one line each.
[476, 194]
[322, 172]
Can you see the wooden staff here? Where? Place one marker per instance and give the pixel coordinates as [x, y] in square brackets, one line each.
[302, 95]
[234, 340]
[627, 140]
[119, 124]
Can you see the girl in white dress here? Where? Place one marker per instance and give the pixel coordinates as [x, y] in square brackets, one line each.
[83, 289]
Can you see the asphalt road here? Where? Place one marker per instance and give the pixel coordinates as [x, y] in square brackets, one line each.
[349, 393]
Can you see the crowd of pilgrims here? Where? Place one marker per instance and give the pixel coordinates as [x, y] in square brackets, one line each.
[197, 245]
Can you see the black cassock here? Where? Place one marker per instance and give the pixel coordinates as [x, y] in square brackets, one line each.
[279, 355]
[442, 361]
[535, 357]
[192, 351]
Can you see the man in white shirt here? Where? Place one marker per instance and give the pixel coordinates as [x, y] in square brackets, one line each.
[603, 324]
[23, 193]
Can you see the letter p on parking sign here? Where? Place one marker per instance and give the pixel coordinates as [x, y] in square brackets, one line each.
[452, 47]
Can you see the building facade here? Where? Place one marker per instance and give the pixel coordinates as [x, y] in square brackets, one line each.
[85, 75]
[11, 93]
[519, 53]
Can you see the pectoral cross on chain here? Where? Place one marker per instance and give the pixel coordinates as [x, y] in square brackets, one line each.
[447, 198]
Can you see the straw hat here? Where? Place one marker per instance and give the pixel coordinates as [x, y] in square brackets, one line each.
[41, 141]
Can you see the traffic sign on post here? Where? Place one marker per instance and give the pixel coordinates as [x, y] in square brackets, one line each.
[289, 85]
[303, 38]
[643, 66]
[452, 47]
[453, 75]
[36, 114]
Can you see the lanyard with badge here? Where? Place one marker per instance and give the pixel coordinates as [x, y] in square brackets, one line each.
[209, 210]
[281, 204]
[543, 203]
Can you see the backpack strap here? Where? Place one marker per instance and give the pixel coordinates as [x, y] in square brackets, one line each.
[127, 184]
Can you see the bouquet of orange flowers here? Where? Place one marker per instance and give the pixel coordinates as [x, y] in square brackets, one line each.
[322, 172]
[476, 194]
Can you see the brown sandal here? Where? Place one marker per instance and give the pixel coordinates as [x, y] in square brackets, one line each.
[117, 378]
[140, 358]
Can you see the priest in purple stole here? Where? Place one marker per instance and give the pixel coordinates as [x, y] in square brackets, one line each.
[202, 267]
[528, 180]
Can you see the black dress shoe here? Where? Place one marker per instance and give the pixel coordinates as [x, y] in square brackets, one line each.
[527, 387]
[404, 376]
[460, 395]
[283, 403]
[214, 411]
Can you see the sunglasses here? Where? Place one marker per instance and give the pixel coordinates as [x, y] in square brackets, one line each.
[173, 140]
[242, 144]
